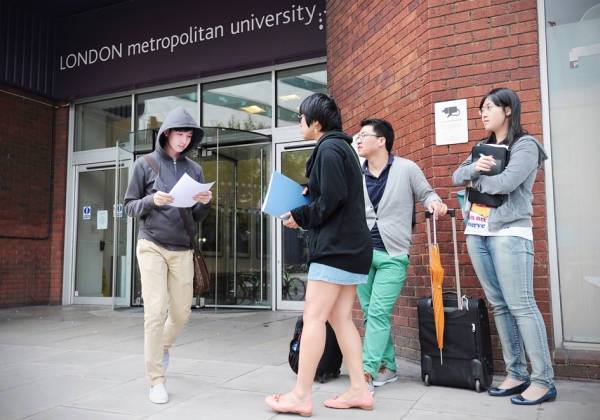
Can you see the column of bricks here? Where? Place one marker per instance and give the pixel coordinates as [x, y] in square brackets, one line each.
[394, 60]
[26, 189]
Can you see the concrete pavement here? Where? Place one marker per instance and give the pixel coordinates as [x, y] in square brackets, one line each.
[86, 362]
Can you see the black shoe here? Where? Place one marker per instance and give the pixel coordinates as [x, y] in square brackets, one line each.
[497, 392]
[549, 396]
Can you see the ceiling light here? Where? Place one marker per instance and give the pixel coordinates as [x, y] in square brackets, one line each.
[252, 109]
[289, 97]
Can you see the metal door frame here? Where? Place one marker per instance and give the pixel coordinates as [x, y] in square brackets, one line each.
[81, 300]
[279, 148]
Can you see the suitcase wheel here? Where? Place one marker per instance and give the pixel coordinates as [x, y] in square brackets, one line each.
[427, 383]
[478, 386]
[336, 374]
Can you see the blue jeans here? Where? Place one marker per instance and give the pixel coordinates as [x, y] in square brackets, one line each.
[504, 266]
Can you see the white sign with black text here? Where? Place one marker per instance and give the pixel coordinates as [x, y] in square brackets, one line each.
[102, 219]
[451, 124]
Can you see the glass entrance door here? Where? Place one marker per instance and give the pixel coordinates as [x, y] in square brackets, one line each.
[94, 251]
[233, 238]
[292, 251]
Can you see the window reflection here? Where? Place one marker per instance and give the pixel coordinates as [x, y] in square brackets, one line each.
[243, 104]
[98, 125]
[293, 86]
[153, 108]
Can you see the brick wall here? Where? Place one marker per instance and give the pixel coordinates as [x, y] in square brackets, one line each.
[394, 60]
[32, 190]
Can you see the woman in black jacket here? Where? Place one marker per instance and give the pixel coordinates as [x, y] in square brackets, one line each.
[340, 255]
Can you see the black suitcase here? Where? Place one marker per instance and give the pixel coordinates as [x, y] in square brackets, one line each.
[330, 362]
[466, 359]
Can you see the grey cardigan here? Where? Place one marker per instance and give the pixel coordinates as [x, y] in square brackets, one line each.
[405, 183]
[526, 157]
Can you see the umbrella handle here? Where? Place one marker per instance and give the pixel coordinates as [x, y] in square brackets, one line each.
[434, 232]
[427, 216]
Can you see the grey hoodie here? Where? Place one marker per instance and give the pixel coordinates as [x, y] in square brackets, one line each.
[163, 225]
[526, 157]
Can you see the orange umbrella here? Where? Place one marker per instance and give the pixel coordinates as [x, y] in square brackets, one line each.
[437, 278]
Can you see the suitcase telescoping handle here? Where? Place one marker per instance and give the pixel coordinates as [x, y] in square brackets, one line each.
[452, 213]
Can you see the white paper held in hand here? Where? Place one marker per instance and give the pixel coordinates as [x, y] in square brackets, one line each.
[185, 189]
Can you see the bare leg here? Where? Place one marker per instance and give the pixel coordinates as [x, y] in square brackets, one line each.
[320, 299]
[350, 343]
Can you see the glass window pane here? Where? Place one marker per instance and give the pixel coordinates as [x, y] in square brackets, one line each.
[294, 241]
[243, 104]
[94, 258]
[293, 86]
[98, 125]
[572, 38]
[234, 238]
[152, 108]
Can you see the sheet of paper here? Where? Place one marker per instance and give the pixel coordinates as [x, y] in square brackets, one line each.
[102, 219]
[185, 189]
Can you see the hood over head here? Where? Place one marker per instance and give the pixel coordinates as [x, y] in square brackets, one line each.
[180, 118]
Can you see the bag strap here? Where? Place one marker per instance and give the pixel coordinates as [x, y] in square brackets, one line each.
[152, 163]
[154, 167]
[189, 230]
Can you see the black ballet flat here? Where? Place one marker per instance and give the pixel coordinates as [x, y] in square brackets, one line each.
[549, 396]
[497, 392]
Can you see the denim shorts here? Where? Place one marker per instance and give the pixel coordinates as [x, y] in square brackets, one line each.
[335, 275]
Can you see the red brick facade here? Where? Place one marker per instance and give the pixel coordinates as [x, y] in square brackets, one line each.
[33, 167]
[394, 60]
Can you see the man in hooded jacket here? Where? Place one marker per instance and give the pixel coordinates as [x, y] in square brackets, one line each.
[164, 251]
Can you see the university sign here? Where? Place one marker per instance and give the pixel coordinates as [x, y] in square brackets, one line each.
[150, 42]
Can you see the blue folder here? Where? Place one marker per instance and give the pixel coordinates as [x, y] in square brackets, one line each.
[283, 195]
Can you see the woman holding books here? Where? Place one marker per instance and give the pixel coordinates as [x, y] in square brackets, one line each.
[500, 244]
[339, 256]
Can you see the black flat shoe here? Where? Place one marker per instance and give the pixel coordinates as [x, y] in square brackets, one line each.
[549, 396]
[497, 392]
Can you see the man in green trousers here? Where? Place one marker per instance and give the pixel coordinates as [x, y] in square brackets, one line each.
[392, 184]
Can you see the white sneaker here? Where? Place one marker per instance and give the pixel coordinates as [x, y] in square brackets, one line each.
[165, 361]
[158, 394]
[369, 380]
[385, 376]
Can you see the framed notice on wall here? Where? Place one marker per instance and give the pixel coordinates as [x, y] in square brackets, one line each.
[451, 124]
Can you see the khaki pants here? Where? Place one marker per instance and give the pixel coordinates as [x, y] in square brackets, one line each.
[167, 286]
